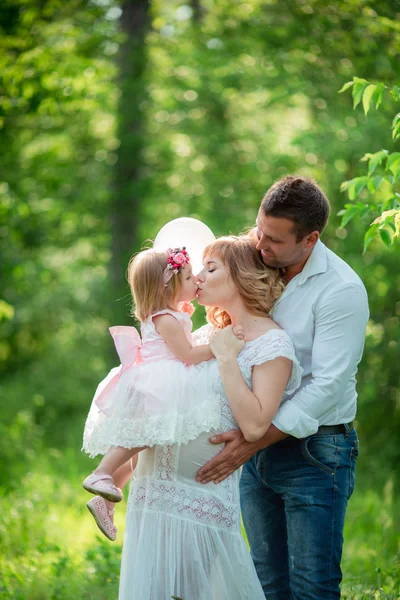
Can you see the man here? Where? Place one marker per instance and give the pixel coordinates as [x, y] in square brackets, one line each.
[297, 479]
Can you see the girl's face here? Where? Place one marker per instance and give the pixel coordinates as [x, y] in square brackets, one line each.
[215, 285]
[189, 286]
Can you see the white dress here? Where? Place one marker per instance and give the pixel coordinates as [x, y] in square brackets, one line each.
[183, 538]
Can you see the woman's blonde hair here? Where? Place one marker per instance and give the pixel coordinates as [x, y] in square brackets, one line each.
[258, 285]
[146, 280]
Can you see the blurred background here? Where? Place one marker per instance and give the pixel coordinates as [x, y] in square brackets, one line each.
[116, 117]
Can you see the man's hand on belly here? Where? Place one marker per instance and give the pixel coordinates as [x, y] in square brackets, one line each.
[236, 452]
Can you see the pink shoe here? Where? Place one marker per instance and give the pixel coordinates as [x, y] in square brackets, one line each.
[102, 485]
[103, 516]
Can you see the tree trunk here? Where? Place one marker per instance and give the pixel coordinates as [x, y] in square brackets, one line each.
[197, 10]
[132, 61]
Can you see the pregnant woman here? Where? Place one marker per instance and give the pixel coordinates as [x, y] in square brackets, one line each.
[183, 538]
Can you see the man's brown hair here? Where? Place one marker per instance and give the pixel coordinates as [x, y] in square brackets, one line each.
[300, 200]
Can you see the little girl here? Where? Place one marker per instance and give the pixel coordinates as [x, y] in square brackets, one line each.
[158, 395]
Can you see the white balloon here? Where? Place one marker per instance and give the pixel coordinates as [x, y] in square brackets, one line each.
[188, 232]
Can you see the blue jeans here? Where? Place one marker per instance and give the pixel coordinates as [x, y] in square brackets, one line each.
[293, 499]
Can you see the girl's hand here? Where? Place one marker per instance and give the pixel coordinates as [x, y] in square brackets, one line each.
[238, 332]
[225, 345]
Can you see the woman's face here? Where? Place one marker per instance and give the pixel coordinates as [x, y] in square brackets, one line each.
[215, 285]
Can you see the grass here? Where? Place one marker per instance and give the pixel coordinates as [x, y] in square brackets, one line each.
[51, 549]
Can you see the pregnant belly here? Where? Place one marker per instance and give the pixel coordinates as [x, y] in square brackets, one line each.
[195, 454]
[190, 458]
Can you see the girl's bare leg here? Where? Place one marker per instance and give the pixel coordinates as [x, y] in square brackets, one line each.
[123, 474]
[115, 458]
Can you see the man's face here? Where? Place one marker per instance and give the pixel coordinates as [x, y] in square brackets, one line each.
[277, 242]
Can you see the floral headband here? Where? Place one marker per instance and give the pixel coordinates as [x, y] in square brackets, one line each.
[177, 258]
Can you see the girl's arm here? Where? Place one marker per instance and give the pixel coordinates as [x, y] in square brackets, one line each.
[253, 409]
[174, 336]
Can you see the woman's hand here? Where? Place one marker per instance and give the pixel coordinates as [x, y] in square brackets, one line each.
[227, 343]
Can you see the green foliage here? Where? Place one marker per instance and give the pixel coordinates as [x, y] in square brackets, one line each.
[229, 99]
[386, 202]
[51, 548]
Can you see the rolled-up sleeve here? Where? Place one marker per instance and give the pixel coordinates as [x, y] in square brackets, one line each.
[341, 317]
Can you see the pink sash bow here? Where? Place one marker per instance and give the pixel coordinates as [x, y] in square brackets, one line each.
[127, 344]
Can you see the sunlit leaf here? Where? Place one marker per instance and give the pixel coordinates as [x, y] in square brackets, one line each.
[374, 183]
[397, 223]
[351, 211]
[395, 93]
[375, 160]
[396, 126]
[345, 185]
[393, 163]
[7, 311]
[356, 187]
[367, 97]
[346, 86]
[358, 90]
[378, 94]
[370, 234]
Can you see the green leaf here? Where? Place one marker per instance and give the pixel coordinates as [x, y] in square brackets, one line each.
[395, 93]
[393, 163]
[356, 187]
[375, 160]
[397, 224]
[367, 97]
[346, 86]
[386, 237]
[374, 183]
[7, 311]
[350, 211]
[396, 126]
[389, 204]
[378, 94]
[358, 90]
[344, 185]
[370, 234]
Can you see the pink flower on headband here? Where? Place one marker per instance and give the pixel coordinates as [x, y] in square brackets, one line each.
[180, 259]
[177, 258]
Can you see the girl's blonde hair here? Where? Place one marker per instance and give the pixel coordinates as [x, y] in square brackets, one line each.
[258, 285]
[146, 280]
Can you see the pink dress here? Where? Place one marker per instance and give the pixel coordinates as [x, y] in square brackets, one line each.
[152, 398]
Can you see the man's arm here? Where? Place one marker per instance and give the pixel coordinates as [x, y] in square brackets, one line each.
[339, 336]
[236, 452]
[340, 324]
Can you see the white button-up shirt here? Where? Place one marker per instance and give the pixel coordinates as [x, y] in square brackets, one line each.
[324, 309]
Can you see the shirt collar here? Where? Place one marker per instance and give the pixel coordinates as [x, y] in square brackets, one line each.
[317, 263]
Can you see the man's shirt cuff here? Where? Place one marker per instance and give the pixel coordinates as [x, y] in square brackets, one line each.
[293, 421]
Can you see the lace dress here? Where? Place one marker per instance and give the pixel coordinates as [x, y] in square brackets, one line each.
[152, 397]
[183, 538]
